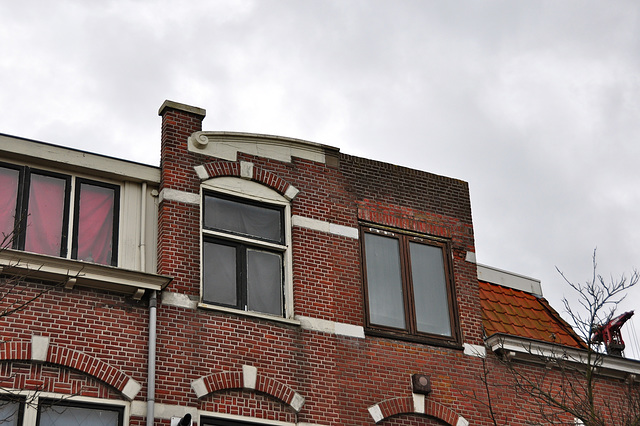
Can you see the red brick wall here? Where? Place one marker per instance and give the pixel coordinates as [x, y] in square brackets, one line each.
[340, 377]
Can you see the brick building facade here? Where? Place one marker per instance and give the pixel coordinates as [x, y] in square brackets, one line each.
[286, 283]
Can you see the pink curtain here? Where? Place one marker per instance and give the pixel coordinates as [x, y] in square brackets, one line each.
[95, 224]
[9, 197]
[45, 215]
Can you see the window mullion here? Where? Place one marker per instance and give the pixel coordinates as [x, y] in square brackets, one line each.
[241, 265]
[407, 287]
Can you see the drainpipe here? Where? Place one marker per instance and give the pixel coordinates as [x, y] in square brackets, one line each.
[153, 304]
[151, 374]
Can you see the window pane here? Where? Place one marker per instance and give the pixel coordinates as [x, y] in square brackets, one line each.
[95, 224]
[430, 289]
[384, 283]
[9, 196]
[219, 271]
[264, 281]
[60, 415]
[247, 219]
[45, 216]
[9, 413]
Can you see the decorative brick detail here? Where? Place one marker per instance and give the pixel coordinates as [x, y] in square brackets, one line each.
[235, 380]
[21, 351]
[405, 405]
[15, 351]
[230, 168]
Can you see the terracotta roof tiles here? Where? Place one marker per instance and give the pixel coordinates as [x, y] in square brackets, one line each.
[518, 313]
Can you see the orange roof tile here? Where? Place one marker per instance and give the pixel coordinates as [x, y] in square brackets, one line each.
[518, 313]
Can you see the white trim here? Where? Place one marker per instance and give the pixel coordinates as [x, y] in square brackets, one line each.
[509, 279]
[226, 145]
[475, 350]
[178, 300]
[376, 413]
[162, 411]
[291, 192]
[249, 376]
[462, 421]
[536, 351]
[246, 170]
[297, 402]
[42, 153]
[331, 327]
[31, 409]
[178, 196]
[322, 226]
[248, 313]
[86, 274]
[201, 171]
[470, 257]
[131, 389]
[39, 348]
[199, 387]
[418, 403]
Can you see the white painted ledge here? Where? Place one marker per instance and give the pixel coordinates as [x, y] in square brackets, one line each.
[322, 226]
[176, 195]
[331, 327]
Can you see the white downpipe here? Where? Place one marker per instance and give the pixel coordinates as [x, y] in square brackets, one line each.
[153, 304]
[151, 374]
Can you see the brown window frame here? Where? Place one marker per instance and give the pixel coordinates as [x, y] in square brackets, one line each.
[410, 331]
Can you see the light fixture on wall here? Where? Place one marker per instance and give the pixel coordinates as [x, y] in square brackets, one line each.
[421, 384]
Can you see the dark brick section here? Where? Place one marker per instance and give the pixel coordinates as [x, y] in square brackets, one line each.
[400, 186]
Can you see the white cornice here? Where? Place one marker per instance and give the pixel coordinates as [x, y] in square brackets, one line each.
[517, 348]
[62, 158]
[226, 145]
[75, 272]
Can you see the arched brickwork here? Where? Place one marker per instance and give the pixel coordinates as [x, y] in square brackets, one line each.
[248, 378]
[396, 406]
[39, 350]
[232, 168]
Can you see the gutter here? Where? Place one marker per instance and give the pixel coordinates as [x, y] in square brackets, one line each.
[517, 348]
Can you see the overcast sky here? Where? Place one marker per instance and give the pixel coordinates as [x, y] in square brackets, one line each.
[535, 103]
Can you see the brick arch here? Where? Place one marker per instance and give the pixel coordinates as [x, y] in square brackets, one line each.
[39, 350]
[407, 405]
[249, 379]
[246, 170]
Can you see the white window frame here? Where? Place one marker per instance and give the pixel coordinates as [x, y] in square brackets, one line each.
[71, 207]
[251, 191]
[30, 414]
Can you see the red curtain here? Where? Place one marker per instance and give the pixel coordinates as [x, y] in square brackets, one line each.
[45, 215]
[95, 224]
[9, 196]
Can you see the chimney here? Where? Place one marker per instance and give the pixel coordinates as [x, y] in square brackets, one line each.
[179, 121]
[179, 206]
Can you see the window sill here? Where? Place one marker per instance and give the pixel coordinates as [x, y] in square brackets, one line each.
[77, 273]
[431, 341]
[252, 314]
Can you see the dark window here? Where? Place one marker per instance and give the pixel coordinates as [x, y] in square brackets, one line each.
[223, 422]
[408, 286]
[55, 413]
[11, 410]
[243, 246]
[35, 214]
